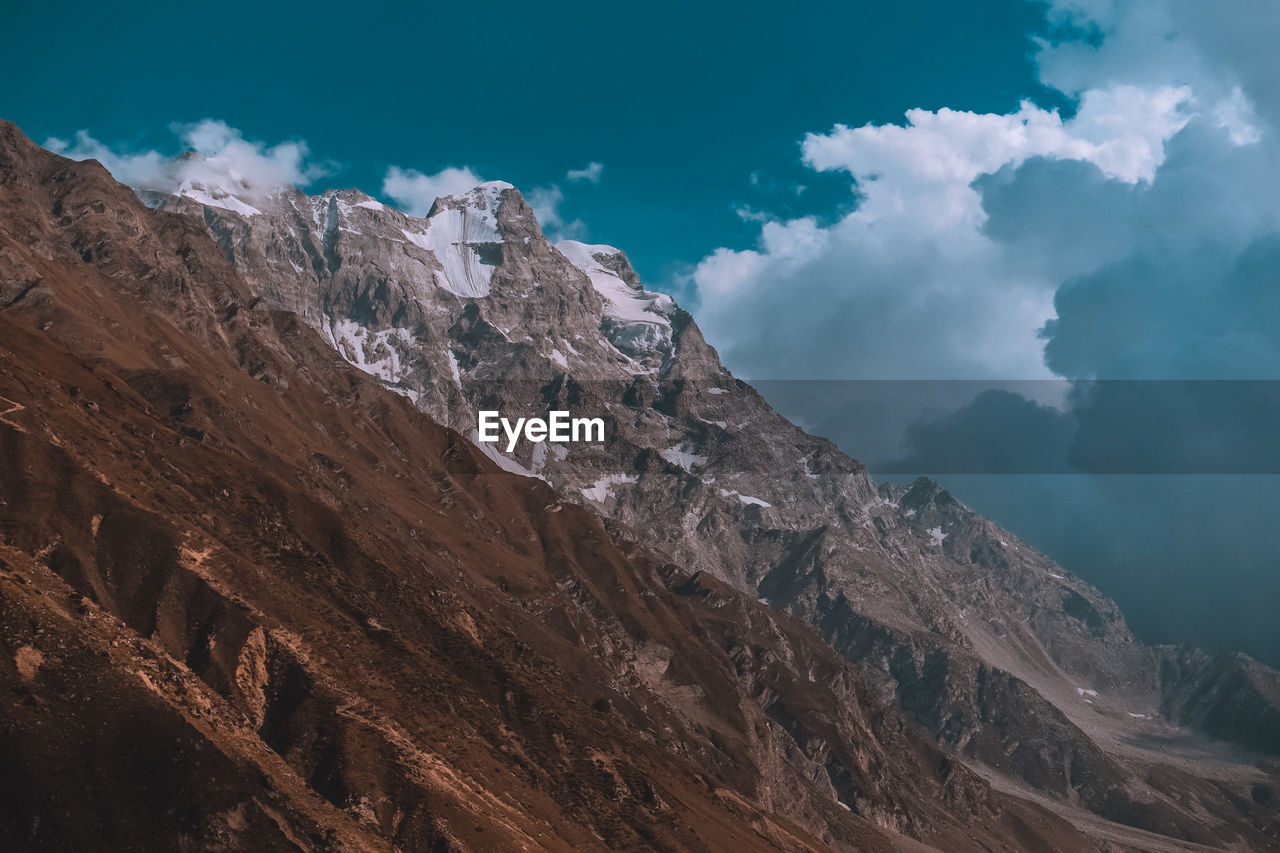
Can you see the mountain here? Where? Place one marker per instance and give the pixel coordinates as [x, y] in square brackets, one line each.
[265, 588]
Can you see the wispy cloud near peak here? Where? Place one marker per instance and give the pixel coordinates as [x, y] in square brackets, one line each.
[591, 173]
[415, 192]
[224, 160]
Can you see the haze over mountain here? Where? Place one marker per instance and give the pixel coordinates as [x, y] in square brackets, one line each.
[261, 583]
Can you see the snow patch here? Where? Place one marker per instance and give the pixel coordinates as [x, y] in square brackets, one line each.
[372, 352]
[453, 368]
[808, 471]
[1084, 691]
[746, 499]
[622, 302]
[216, 197]
[600, 491]
[716, 391]
[454, 233]
[451, 237]
[683, 458]
[936, 534]
[509, 465]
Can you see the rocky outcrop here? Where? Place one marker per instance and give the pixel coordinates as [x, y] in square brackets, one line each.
[1230, 696]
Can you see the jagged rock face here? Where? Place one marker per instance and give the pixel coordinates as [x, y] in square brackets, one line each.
[471, 308]
[1230, 696]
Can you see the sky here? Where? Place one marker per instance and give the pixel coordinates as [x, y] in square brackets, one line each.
[682, 104]
[989, 192]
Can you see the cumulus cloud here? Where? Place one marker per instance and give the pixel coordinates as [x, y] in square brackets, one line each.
[223, 160]
[415, 192]
[1142, 236]
[923, 170]
[997, 432]
[1189, 290]
[909, 283]
[1152, 42]
[969, 232]
[592, 173]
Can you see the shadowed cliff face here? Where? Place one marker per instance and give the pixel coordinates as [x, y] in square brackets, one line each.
[353, 630]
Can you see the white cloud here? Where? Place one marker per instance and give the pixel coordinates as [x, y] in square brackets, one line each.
[1188, 290]
[415, 192]
[1236, 115]
[546, 202]
[908, 284]
[915, 282]
[219, 157]
[591, 173]
[228, 160]
[224, 160]
[146, 170]
[747, 213]
[923, 171]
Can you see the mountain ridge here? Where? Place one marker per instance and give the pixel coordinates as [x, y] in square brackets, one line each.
[458, 348]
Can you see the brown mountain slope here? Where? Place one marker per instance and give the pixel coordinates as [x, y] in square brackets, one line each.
[250, 600]
[1026, 671]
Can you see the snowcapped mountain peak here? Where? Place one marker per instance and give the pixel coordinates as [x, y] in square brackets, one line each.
[642, 316]
[216, 196]
[485, 197]
[463, 233]
[491, 214]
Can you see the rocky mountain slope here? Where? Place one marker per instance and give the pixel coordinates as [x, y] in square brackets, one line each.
[355, 628]
[472, 308]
